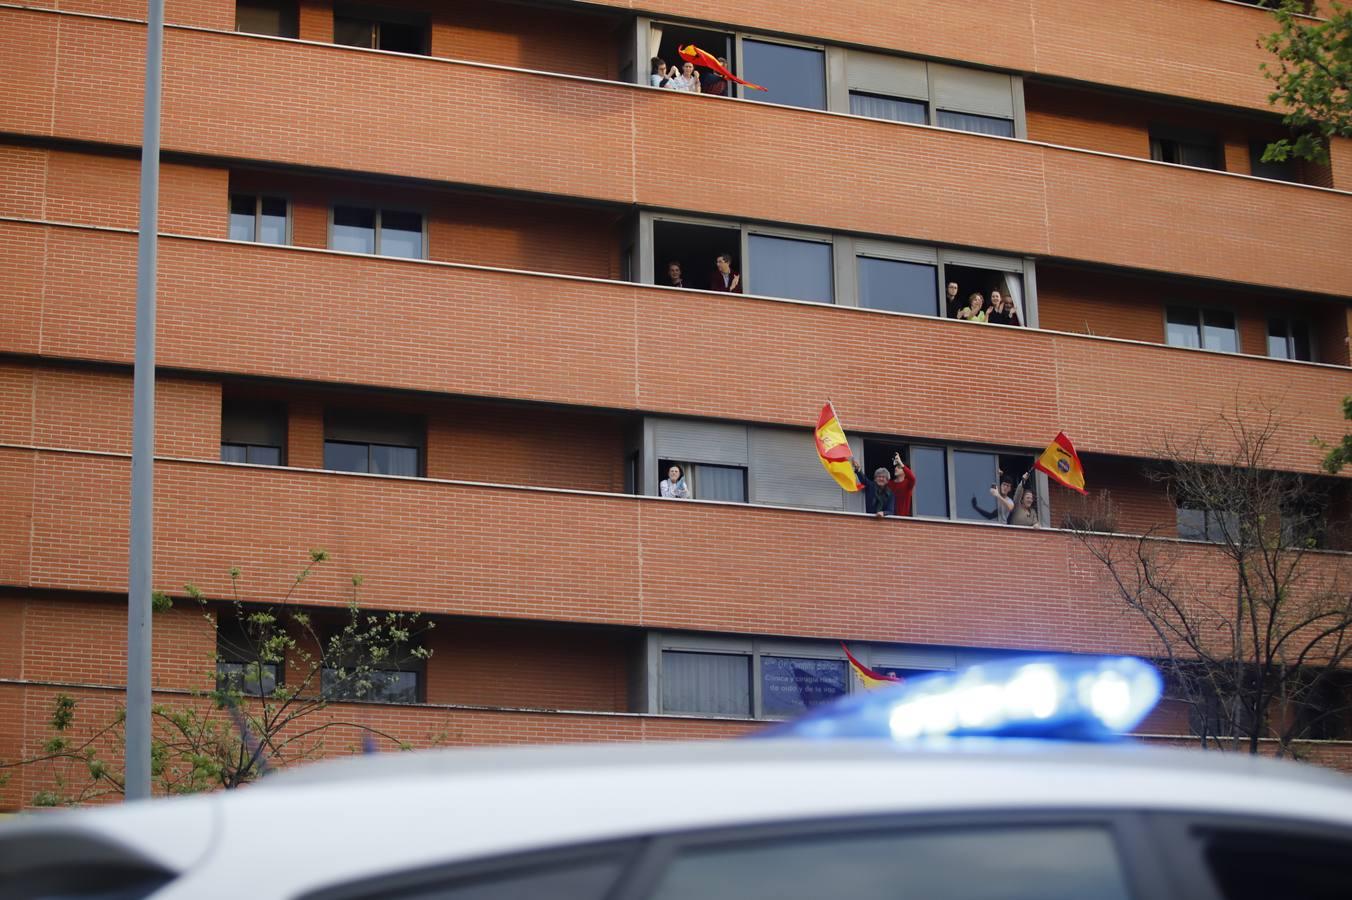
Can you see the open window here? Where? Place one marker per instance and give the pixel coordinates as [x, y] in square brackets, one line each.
[666, 38]
[1186, 147]
[381, 28]
[928, 463]
[986, 485]
[987, 283]
[693, 249]
[253, 433]
[706, 481]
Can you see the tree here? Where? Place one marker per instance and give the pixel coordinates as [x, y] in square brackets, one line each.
[1312, 79]
[1341, 455]
[1253, 633]
[250, 721]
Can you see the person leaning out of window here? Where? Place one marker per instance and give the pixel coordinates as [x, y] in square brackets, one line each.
[659, 77]
[724, 279]
[973, 311]
[674, 487]
[1024, 512]
[686, 79]
[888, 494]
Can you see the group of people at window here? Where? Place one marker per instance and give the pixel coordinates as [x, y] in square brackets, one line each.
[685, 78]
[1001, 309]
[722, 278]
[891, 493]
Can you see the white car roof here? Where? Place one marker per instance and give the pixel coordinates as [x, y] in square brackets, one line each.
[356, 818]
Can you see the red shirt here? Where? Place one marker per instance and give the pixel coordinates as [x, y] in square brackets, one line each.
[904, 489]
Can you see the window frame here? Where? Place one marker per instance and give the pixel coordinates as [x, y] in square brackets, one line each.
[419, 688]
[289, 12]
[379, 15]
[741, 90]
[1200, 310]
[1287, 322]
[379, 216]
[420, 451]
[1160, 132]
[258, 198]
[788, 233]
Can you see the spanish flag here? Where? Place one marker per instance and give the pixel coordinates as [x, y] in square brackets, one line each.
[834, 450]
[691, 53]
[868, 678]
[1062, 464]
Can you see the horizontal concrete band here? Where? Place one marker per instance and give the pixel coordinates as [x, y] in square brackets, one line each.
[244, 309]
[285, 102]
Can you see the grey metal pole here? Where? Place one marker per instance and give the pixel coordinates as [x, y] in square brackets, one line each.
[140, 554]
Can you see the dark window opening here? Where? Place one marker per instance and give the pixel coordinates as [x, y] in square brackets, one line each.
[381, 30]
[258, 219]
[715, 684]
[377, 686]
[1289, 339]
[1289, 170]
[791, 268]
[1001, 127]
[1206, 329]
[895, 109]
[903, 672]
[793, 76]
[1198, 523]
[718, 43]
[253, 433]
[1186, 147]
[986, 283]
[929, 465]
[374, 443]
[275, 18]
[383, 232]
[1256, 865]
[693, 250]
[239, 664]
[898, 285]
[704, 481]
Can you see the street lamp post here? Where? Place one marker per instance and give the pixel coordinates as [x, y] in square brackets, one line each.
[140, 551]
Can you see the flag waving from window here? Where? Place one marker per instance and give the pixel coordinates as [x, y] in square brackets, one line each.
[1062, 463]
[834, 450]
[867, 677]
[691, 53]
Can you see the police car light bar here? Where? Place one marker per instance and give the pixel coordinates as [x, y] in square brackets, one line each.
[1084, 698]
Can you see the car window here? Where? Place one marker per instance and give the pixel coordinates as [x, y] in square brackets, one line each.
[588, 878]
[1006, 863]
[1249, 865]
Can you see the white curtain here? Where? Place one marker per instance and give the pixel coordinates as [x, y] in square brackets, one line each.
[1014, 290]
[654, 44]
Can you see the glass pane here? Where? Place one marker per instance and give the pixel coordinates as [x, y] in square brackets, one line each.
[720, 483]
[344, 457]
[1300, 342]
[244, 677]
[974, 475]
[1218, 331]
[393, 687]
[931, 481]
[794, 76]
[978, 124]
[1277, 347]
[797, 270]
[400, 38]
[581, 880]
[789, 686]
[265, 456]
[242, 217]
[354, 230]
[254, 17]
[1191, 524]
[387, 460]
[893, 108]
[898, 286]
[236, 453]
[1028, 863]
[353, 32]
[401, 234]
[272, 222]
[716, 684]
[1181, 328]
[1201, 156]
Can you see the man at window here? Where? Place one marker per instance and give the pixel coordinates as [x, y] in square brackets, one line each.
[713, 83]
[888, 494]
[951, 300]
[1025, 505]
[724, 279]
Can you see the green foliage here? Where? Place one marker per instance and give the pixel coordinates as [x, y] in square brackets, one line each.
[1312, 79]
[160, 602]
[1341, 455]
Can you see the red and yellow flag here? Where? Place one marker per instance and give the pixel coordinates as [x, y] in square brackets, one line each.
[1062, 464]
[691, 53]
[834, 450]
[867, 677]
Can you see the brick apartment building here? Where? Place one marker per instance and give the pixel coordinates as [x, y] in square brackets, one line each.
[413, 310]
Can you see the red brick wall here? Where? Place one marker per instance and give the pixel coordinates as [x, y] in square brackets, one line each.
[612, 143]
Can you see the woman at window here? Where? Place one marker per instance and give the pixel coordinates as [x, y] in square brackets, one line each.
[687, 79]
[1002, 311]
[973, 311]
[673, 486]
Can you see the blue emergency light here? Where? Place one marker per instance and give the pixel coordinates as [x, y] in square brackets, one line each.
[1080, 698]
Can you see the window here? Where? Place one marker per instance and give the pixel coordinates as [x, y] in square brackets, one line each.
[898, 286]
[380, 445]
[974, 123]
[379, 29]
[1277, 171]
[896, 109]
[931, 482]
[1289, 339]
[1185, 147]
[1208, 329]
[257, 218]
[719, 482]
[1198, 524]
[276, 18]
[585, 875]
[791, 685]
[974, 474]
[688, 251]
[975, 863]
[1251, 865]
[791, 268]
[987, 282]
[793, 76]
[715, 684]
[383, 232]
[252, 679]
[378, 686]
[253, 433]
